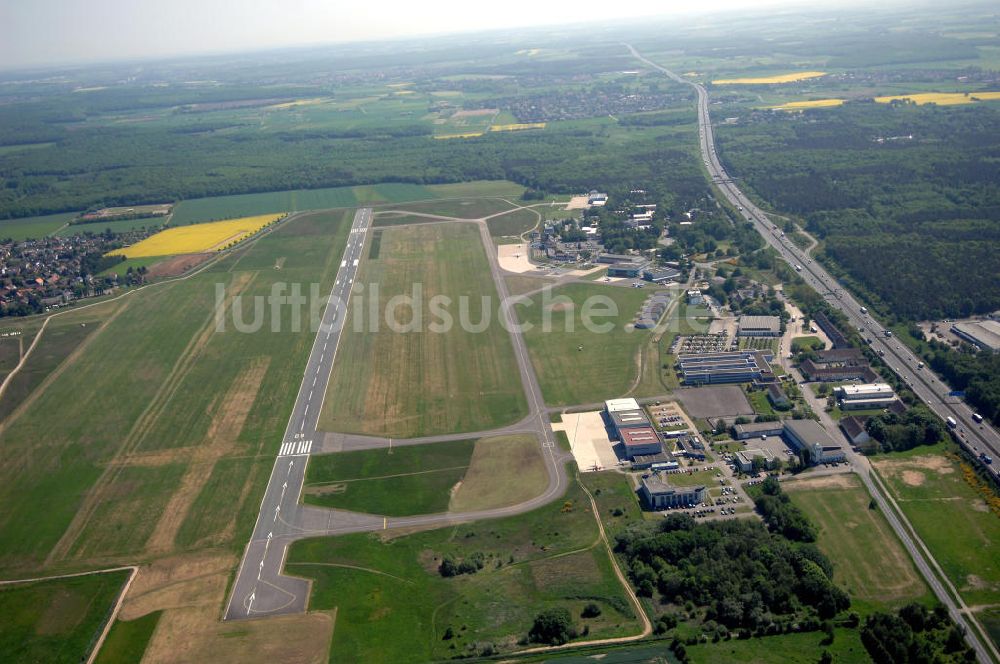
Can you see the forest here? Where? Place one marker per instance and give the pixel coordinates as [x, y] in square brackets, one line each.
[745, 575]
[903, 197]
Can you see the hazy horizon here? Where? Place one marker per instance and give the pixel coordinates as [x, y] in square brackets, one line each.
[64, 32]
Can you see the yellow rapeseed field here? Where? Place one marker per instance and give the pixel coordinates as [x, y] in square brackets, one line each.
[470, 134]
[811, 103]
[763, 80]
[197, 238]
[942, 98]
[518, 126]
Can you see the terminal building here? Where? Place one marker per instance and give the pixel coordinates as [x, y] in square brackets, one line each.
[807, 435]
[658, 494]
[742, 366]
[865, 397]
[758, 326]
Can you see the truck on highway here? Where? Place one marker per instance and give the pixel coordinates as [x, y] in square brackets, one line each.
[986, 458]
[887, 333]
[977, 417]
[951, 421]
[864, 310]
[798, 268]
[920, 365]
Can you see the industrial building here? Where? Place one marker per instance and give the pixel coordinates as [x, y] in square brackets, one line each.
[983, 333]
[837, 337]
[621, 258]
[658, 494]
[777, 396]
[597, 198]
[807, 435]
[744, 459]
[628, 270]
[641, 441]
[654, 462]
[836, 365]
[659, 275]
[854, 428]
[758, 326]
[630, 425]
[758, 429]
[864, 397]
[728, 367]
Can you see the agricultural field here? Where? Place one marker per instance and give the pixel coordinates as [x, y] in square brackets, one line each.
[606, 367]
[393, 605]
[811, 103]
[115, 226]
[849, 531]
[56, 620]
[770, 80]
[34, 227]
[198, 238]
[792, 648]
[941, 98]
[117, 474]
[425, 479]
[199, 210]
[436, 380]
[952, 518]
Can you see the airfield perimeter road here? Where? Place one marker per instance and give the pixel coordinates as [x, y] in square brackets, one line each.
[930, 389]
[260, 589]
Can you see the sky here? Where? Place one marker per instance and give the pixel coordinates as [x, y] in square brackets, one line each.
[57, 32]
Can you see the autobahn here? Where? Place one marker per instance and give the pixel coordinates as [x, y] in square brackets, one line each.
[978, 438]
[904, 363]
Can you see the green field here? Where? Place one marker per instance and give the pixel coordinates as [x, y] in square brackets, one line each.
[424, 479]
[119, 226]
[606, 366]
[433, 381]
[850, 533]
[415, 479]
[393, 605]
[513, 223]
[616, 499]
[468, 208]
[57, 620]
[61, 337]
[244, 205]
[128, 639]
[793, 648]
[134, 263]
[949, 516]
[169, 396]
[34, 227]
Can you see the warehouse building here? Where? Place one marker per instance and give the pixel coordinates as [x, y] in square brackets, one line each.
[627, 270]
[808, 436]
[864, 397]
[728, 367]
[758, 429]
[759, 326]
[854, 428]
[984, 333]
[659, 275]
[657, 494]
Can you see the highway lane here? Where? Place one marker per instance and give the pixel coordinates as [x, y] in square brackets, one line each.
[928, 388]
[931, 389]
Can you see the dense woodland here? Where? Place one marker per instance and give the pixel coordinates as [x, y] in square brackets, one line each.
[903, 197]
[746, 575]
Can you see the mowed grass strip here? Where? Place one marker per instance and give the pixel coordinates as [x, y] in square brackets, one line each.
[128, 639]
[196, 238]
[950, 517]
[869, 561]
[606, 367]
[504, 470]
[394, 606]
[57, 620]
[429, 381]
[415, 479]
